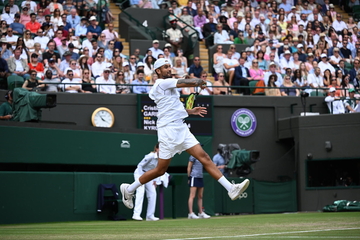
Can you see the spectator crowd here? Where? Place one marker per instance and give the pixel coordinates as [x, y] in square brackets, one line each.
[292, 46]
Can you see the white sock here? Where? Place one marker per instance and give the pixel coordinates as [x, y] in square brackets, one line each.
[226, 184]
[134, 186]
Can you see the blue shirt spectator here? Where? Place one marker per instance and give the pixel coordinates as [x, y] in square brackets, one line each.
[219, 161]
[140, 80]
[80, 30]
[196, 69]
[73, 20]
[17, 27]
[93, 28]
[134, 2]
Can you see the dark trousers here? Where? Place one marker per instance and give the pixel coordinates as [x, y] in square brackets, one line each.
[101, 197]
[242, 82]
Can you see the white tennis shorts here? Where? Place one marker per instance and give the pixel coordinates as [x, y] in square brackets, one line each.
[174, 138]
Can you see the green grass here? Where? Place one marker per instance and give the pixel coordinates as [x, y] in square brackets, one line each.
[261, 226]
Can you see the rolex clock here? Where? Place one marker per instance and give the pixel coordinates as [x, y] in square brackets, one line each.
[103, 117]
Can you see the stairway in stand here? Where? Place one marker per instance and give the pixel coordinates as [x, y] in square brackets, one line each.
[115, 10]
[204, 57]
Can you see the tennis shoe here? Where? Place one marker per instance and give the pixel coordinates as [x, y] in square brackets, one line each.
[152, 219]
[203, 215]
[127, 198]
[137, 218]
[238, 189]
[192, 216]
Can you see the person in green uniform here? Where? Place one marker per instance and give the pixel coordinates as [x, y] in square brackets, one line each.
[6, 107]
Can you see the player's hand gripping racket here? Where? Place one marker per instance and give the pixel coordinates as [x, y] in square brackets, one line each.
[190, 101]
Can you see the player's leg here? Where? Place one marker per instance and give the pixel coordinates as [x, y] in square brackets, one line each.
[151, 197]
[127, 190]
[234, 190]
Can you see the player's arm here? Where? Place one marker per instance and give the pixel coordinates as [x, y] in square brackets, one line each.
[192, 82]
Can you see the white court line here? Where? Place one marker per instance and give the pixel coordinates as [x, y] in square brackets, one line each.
[266, 234]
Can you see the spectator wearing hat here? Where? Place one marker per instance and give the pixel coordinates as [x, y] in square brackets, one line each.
[335, 58]
[273, 71]
[351, 104]
[7, 16]
[65, 63]
[33, 25]
[335, 105]
[175, 36]
[169, 47]
[110, 87]
[18, 66]
[128, 75]
[140, 80]
[74, 55]
[5, 49]
[94, 28]
[25, 16]
[155, 49]
[324, 64]
[16, 26]
[286, 62]
[300, 51]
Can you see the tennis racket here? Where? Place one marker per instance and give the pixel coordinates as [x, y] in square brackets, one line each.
[190, 101]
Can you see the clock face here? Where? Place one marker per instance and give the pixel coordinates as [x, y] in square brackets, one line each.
[103, 117]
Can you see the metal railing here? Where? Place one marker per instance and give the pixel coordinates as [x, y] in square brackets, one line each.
[147, 30]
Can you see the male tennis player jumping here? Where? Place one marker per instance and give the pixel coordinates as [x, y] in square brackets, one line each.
[174, 135]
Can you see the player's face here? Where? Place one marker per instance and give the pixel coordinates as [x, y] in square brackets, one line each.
[166, 71]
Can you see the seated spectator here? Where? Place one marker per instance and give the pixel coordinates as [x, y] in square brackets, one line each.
[109, 87]
[229, 64]
[119, 80]
[40, 38]
[335, 105]
[33, 83]
[18, 66]
[69, 84]
[28, 41]
[324, 64]
[76, 70]
[199, 21]
[13, 7]
[98, 66]
[255, 72]
[178, 67]
[34, 64]
[273, 91]
[94, 28]
[5, 49]
[33, 26]
[315, 79]
[242, 78]
[175, 36]
[149, 66]
[56, 6]
[57, 73]
[196, 68]
[81, 29]
[71, 49]
[337, 87]
[208, 29]
[286, 62]
[52, 82]
[40, 17]
[4, 73]
[87, 82]
[288, 88]
[273, 71]
[221, 87]
[7, 16]
[346, 85]
[221, 36]
[11, 38]
[16, 26]
[140, 80]
[206, 91]
[128, 75]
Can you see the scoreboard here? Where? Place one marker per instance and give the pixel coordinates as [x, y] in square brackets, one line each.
[203, 126]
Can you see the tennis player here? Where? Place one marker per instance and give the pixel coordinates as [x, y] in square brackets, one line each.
[174, 135]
